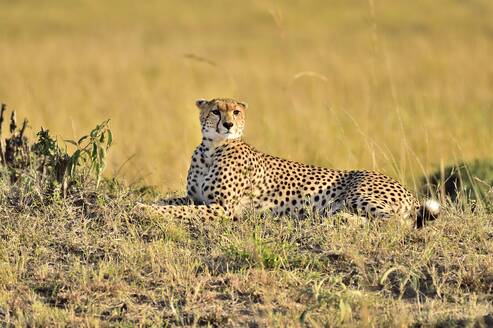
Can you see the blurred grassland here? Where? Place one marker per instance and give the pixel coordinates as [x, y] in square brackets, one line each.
[397, 86]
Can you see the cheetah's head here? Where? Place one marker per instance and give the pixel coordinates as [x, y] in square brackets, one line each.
[222, 118]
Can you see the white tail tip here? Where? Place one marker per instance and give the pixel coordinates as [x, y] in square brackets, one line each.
[432, 206]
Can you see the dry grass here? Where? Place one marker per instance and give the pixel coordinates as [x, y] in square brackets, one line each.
[99, 265]
[398, 86]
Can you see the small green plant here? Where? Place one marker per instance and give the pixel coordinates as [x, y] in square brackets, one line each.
[50, 165]
[92, 150]
[89, 157]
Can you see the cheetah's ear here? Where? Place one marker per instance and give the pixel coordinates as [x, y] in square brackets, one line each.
[243, 104]
[201, 103]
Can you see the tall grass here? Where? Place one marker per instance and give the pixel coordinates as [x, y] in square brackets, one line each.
[393, 86]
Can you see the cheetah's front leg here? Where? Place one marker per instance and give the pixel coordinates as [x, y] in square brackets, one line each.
[205, 212]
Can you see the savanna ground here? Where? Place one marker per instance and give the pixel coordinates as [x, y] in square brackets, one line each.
[397, 86]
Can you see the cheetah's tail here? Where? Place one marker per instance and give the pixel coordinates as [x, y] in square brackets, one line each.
[428, 211]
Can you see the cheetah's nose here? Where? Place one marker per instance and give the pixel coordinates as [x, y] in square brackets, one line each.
[227, 125]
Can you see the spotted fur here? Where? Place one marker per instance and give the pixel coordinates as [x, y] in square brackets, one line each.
[228, 177]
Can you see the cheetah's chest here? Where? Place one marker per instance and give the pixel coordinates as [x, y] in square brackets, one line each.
[197, 175]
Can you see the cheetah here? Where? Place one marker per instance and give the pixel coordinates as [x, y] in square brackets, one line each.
[228, 177]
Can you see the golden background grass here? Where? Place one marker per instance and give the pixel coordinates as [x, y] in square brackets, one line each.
[397, 86]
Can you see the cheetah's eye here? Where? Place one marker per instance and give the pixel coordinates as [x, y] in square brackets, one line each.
[216, 112]
[236, 112]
